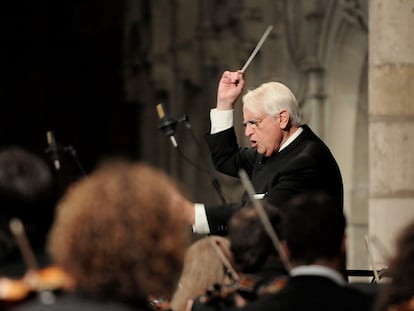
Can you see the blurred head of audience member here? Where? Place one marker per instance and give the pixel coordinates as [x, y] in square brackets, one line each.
[26, 192]
[398, 294]
[251, 245]
[119, 233]
[255, 255]
[314, 231]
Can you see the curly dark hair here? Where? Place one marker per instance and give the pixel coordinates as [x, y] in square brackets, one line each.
[120, 234]
[250, 243]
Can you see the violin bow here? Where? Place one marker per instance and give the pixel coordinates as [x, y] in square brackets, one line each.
[17, 228]
[264, 218]
[226, 262]
[380, 247]
[371, 259]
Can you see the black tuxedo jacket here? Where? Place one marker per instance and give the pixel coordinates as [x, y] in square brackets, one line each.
[313, 293]
[305, 165]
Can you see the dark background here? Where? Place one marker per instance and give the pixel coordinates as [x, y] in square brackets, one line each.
[61, 71]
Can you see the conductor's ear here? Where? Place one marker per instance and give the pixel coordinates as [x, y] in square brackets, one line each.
[284, 118]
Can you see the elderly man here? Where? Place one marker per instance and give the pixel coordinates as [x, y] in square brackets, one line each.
[285, 159]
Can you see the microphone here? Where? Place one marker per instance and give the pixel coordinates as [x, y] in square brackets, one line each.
[167, 125]
[53, 149]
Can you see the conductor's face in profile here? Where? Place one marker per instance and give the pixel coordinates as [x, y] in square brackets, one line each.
[266, 132]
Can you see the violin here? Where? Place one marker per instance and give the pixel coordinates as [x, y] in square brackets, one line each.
[158, 303]
[240, 287]
[48, 279]
[247, 288]
[42, 281]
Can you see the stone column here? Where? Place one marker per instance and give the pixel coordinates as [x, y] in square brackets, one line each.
[391, 119]
[314, 13]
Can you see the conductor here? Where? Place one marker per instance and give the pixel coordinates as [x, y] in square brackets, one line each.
[285, 158]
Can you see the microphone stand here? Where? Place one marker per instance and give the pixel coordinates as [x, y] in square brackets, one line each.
[72, 151]
[56, 149]
[172, 123]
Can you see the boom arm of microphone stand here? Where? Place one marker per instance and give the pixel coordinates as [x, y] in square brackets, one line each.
[184, 119]
[72, 151]
[215, 182]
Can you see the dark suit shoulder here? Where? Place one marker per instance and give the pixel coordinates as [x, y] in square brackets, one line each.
[313, 293]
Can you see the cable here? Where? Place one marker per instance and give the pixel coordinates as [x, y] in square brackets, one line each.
[215, 182]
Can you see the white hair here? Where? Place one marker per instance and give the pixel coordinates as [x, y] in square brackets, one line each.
[272, 97]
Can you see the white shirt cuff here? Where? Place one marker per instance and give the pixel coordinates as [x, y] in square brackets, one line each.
[220, 120]
[201, 224]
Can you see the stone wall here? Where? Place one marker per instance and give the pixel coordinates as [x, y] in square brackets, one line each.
[176, 51]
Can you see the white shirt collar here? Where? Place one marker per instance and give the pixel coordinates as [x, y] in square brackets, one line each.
[291, 138]
[318, 271]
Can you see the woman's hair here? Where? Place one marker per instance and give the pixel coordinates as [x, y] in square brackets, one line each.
[203, 267]
[271, 98]
[120, 232]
